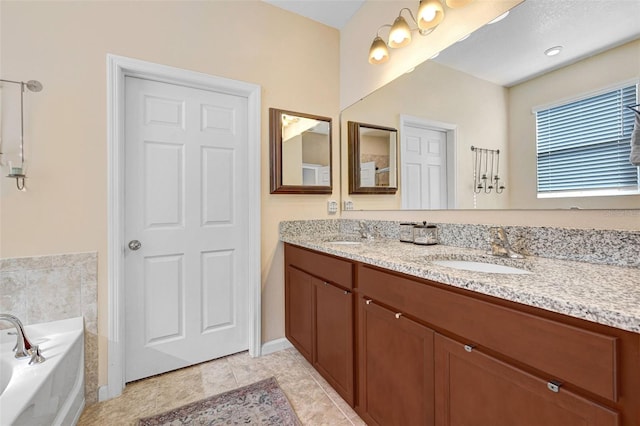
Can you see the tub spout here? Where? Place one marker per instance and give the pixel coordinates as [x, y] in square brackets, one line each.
[23, 345]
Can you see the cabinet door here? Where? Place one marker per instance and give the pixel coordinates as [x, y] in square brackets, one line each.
[299, 310]
[396, 368]
[334, 337]
[473, 388]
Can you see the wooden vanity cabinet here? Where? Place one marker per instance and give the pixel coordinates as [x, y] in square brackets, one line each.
[319, 315]
[429, 354]
[500, 363]
[395, 368]
[474, 388]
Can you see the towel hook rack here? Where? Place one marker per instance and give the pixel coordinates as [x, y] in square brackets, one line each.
[486, 171]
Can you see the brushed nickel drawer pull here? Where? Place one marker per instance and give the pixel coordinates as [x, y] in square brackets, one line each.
[398, 315]
[554, 386]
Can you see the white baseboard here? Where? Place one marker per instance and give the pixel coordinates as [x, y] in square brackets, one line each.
[103, 393]
[275, 346]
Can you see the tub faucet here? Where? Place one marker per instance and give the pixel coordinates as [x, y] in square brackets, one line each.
[23, 345]
[500, 243]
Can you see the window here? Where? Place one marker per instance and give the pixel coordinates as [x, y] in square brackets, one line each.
[583, 146]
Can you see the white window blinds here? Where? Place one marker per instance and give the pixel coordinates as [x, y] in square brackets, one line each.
[585, 145]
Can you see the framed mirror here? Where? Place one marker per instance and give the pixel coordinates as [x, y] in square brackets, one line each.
[373, 154]
[300, 150]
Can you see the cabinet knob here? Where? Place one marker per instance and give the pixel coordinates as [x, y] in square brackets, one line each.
[368, 301]
[347, 292]
[468, 348]
[398, 315]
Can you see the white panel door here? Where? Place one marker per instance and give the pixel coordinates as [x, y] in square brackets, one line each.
[185, 202]
[424, 168]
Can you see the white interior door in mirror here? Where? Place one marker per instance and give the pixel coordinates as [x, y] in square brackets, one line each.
[424, 168]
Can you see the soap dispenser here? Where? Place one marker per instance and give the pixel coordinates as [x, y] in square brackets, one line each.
[426, 235]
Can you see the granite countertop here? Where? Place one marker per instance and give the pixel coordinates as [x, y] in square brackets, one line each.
[604, 294]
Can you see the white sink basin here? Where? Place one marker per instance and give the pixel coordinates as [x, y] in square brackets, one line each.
[491, 268]
[345, 243]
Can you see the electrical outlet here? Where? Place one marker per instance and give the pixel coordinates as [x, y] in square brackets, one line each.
[332, 206]
[348, 205]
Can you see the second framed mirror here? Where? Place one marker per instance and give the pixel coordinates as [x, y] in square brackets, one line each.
[373, 159]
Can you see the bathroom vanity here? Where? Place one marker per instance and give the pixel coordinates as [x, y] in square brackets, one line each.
[407, 342]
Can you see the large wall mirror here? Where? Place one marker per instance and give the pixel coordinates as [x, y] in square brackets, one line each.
[485, 92]
[372, 159]
[300, 149]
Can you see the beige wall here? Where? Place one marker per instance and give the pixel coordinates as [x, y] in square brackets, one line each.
[598, 72]
[64, 45]
[435, 92]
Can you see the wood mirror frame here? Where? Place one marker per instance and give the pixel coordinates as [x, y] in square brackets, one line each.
[278, 185]
[355, 187]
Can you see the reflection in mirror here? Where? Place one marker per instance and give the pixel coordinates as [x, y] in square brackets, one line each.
[300, 153]
[373, 159]
[485, 91]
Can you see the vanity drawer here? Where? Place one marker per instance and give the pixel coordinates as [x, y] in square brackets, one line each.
[562, 352]
[322, 266]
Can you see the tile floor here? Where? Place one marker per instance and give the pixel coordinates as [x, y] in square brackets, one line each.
[313, 400]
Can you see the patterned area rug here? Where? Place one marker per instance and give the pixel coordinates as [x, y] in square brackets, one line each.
[261, 403]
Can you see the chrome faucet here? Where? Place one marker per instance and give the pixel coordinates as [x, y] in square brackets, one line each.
[23, 346]
[500, 243]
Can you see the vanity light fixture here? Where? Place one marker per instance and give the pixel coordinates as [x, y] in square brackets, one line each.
[430, 14]
[378, 53]
[553, 51]
[18, 172]
[400, 34]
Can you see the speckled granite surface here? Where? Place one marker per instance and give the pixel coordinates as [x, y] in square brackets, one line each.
[604, 294]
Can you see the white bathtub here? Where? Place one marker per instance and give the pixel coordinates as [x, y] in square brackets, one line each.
[51, 393]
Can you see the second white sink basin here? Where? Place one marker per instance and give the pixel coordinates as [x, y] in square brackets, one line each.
[491, 268]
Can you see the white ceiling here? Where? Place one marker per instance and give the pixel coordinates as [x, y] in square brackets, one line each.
[511, 51]
[335, 13]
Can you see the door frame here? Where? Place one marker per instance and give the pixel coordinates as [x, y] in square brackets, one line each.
[119, 67]
[452, 134]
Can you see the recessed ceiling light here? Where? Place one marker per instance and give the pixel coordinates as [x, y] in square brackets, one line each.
[435, 56]
[499, 18]
[465, 37]
[553, 51]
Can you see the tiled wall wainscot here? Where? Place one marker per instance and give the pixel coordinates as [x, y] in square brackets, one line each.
[49, 288]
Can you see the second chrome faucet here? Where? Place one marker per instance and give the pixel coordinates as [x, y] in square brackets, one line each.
[500, 243]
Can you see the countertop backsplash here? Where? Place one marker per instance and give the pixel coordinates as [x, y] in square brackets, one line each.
[608, 247]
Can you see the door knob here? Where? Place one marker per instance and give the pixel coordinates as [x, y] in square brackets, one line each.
[135, 245]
